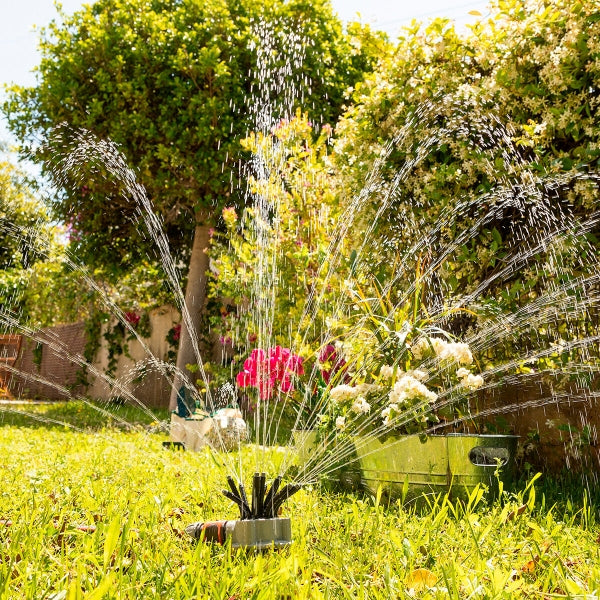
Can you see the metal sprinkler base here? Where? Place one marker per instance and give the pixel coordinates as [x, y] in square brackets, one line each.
[257, 534]
[259, 527]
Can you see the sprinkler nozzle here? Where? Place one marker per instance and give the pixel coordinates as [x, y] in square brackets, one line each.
[265, 503]
[258, 534]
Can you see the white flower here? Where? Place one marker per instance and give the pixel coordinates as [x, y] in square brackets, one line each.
[389, 413]
[418, 374]
[343, 392]
[340, 422]
[409, 388]
[362, 389]
[455, 351]
[472, 382]
[361, 406]
[404, 331]
[452, 351]
[468, 380]
[386, 372]
[440, 346]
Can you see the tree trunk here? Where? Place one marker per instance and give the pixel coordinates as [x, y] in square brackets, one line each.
[195, 296]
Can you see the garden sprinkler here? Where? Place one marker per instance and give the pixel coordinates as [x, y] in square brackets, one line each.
[259, 526]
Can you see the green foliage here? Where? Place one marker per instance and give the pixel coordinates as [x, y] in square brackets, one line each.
[295, 243]
[90, 416]
[25, 229]
[533, 65]
[38, 353]
[56, 291]
[175, 86]
[547, 78]
[52, 294]
[446, 120]
[30, 248]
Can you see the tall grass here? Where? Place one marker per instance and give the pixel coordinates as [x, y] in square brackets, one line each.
[101, 514]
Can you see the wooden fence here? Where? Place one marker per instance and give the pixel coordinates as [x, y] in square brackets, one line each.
[52, 369]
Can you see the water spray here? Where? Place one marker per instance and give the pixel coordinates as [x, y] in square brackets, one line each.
[259, 525]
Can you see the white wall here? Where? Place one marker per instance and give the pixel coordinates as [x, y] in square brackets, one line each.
[153, 390]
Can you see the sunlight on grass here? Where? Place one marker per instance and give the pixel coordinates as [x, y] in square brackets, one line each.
[102, 515]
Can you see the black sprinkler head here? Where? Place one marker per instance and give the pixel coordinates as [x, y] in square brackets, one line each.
[259, 526]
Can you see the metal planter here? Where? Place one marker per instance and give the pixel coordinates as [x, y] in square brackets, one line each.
[410, 466]
[344, 477]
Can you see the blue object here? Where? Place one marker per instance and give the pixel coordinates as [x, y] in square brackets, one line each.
[185, 405]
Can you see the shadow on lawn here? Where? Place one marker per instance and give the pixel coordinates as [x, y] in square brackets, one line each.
[574, 495]
[78, 415]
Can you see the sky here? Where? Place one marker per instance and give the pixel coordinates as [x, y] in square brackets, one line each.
[21, 19]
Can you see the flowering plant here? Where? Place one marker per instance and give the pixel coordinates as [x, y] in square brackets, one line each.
[403, 374]
[434, 385]
[132, 318]
[331, 363]
[270, 371]
[174, 334]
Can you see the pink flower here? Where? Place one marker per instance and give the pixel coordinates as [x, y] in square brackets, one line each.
[295, 364]
[243, 379]
[132, 318]
[327, 353]
[270, 370]
[257, 355]
[331, 363]
[286, 384]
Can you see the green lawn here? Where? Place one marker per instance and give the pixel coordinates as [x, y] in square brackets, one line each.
[100, 513]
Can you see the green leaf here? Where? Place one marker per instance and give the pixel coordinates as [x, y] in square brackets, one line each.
[496, 236]
[111, 540]
[105, 585]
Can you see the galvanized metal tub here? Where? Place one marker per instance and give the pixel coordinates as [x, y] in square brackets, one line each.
[410, 466]
[342, 475]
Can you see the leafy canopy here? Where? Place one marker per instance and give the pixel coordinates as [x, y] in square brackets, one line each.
[175, 84]
[509, 106]
[24, 221]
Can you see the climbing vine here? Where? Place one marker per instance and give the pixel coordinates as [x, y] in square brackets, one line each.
[38, 352]
[116, 336]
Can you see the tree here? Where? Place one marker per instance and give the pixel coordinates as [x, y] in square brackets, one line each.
[175, 83]
[27, 237]
[24, 220]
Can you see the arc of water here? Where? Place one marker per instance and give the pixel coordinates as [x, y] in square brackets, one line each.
[86, 146]
[589, 224]
[466, 237]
